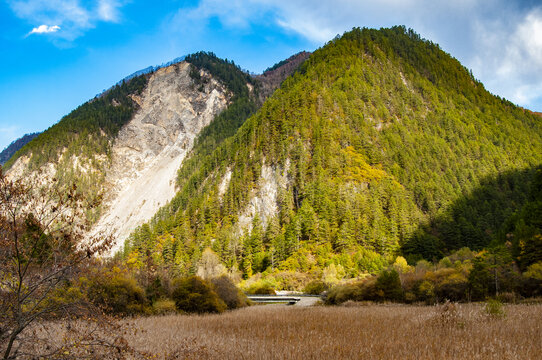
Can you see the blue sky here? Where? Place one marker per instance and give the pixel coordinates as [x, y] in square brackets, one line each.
[57, 54]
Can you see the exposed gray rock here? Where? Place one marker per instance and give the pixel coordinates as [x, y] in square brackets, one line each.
[149, 150]
[264, 200]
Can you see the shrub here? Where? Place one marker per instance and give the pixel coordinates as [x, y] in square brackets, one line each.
[389, 283]
[261, 288]
[448, 315]
[401, 265]
[426, 292]
[451, 285]
[193, 294]
[315, 287]
[229, 293]
[342, 293]
[163, 307]
[508, 297]
[368, 290]
[118, 293]
[494, 308]
[156, 290]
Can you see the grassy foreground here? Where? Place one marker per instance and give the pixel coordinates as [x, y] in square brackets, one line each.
[463, 331]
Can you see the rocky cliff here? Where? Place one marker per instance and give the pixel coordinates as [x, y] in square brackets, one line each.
[151, 147]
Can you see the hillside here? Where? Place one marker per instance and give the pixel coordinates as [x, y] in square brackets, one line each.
[373, 149]
[12, 148]
[123, 148]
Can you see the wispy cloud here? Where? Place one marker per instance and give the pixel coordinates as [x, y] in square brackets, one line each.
[44, 29]
[510, 57]
[108, 10]
[75, 17]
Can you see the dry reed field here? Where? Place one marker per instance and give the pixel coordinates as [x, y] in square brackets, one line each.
[457, 331]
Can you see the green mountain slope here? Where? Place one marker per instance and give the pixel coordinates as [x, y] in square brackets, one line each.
[379, 135]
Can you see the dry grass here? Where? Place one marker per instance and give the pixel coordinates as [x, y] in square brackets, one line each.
[353, 332]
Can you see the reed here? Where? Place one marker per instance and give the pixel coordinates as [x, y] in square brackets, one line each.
[356, 331]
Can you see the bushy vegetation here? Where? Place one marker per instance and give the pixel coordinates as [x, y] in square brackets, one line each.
[193, 294]
[260, 288]
[390, 147]
[463, 276]
[232, 296]
[120, 291]
[116, 292]
[315, 287]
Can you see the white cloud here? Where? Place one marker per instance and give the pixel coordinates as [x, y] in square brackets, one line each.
[108, 10]
[509, 60]
[44, 29]
[74, 16]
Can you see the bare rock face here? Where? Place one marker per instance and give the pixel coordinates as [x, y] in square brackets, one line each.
[264, 200]
[149, 150]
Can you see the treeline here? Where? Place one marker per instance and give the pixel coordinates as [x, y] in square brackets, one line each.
[463, 276]
[508, 271]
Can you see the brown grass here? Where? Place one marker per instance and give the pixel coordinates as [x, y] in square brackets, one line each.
[353, 332]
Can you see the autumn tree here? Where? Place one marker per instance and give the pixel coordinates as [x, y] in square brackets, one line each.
[42, 253]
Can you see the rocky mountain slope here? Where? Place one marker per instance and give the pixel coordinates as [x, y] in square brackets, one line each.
[123, 149]
[150, 148]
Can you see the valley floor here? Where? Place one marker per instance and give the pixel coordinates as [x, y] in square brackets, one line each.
[462, 331]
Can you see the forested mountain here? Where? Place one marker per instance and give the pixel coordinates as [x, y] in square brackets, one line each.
[15, 146]
[381, 144]
[123, 148]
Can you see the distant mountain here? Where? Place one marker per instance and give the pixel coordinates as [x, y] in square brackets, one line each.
[12, 148]
[273, 76]
[150, 69]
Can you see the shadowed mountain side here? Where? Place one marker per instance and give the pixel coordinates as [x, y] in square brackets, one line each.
[15, 146]
[475, 220]
[274, 76]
